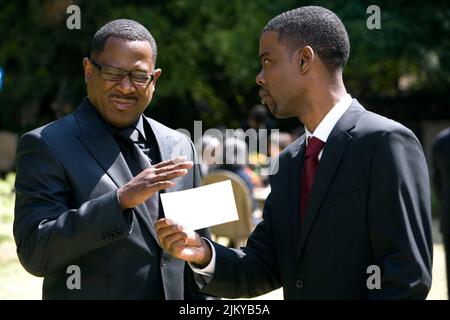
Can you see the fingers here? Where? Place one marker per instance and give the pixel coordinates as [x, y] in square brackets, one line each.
[165, 228]
[186, 245]
[161, 185]
[170, 235]
[154, 183]
[169, 175]
[173, 167]
[174, 161]
[163, 223]
[176, 241]
[167, 172]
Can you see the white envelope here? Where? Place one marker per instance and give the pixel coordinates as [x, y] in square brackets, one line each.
[201, 207]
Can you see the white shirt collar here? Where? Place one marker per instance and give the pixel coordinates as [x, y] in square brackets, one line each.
[327, 124]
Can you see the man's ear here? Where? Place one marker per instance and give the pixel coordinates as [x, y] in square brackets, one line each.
[87, 69]
[156, 76]
[305, 59]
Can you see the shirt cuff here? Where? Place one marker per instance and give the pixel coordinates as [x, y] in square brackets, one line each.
[207, 271]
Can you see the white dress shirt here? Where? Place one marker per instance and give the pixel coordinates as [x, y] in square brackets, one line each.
[327, 124]
[322, 132]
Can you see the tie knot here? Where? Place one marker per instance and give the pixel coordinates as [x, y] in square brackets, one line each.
[128, 134]
[314, 146]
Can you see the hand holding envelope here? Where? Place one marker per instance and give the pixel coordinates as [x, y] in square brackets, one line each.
[185, 245]
[191, 210]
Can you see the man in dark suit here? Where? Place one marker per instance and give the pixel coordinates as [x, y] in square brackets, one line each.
[441, 183]
[349, 212]
[88, 184]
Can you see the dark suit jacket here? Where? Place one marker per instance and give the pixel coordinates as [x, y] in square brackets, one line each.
[67, 213]
[441, 176]
[369, 205]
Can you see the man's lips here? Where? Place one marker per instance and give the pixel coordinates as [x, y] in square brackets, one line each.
[122, 103]
[264, 96]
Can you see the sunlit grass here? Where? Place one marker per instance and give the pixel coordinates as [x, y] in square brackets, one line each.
[15, 282]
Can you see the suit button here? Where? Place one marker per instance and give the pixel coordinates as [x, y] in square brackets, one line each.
[299, 284]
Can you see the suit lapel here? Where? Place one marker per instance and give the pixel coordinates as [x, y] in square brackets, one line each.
[102, 146]
[162, 138]
[332, 155]
[165, 153]
[142, 209]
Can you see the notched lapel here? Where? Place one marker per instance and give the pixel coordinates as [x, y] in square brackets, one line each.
[102, 146]
[331, 158]
[332, 155]
[163, 139]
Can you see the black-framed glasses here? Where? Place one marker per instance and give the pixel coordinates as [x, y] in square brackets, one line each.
[140, 78]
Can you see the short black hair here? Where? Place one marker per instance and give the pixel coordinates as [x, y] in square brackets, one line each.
[125, 29]
[317, 27]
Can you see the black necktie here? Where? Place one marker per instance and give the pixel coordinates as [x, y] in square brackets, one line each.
[128, 140]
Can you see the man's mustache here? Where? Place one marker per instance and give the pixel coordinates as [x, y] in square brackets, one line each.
[263, 93]
[122, 97]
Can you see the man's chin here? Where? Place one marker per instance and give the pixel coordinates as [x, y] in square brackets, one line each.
[273, 108]
[275, 111]
[120, 121]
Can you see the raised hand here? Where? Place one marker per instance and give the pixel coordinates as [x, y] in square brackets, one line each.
[151, 180]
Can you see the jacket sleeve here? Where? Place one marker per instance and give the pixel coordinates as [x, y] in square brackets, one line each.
[48, 231]
[399, 212]
[250, 272]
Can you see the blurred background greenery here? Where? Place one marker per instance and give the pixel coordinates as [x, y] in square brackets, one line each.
[208, 51]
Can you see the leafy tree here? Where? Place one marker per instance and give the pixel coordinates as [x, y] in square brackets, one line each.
[208, 51]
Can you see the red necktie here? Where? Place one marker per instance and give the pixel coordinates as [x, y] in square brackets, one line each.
[310, 164]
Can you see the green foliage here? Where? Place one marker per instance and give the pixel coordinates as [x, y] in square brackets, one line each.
[208, 51]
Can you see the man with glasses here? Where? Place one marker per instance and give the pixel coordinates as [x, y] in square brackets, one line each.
[88, 184]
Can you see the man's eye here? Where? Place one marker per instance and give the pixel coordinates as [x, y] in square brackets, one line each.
[141, 76]
[112, 75]
[266, 61]
[112, 72]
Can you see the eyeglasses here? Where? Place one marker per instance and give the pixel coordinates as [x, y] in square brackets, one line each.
[140, 78]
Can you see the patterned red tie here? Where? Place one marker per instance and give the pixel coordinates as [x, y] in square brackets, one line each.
[310, 164]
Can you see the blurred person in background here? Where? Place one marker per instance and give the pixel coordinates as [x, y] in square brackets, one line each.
[259, 119]
[209, 148]
[278, 142]
[441, 183]
[235, 159]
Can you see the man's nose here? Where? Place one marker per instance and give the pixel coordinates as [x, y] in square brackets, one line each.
[126, 85]
[260, 78]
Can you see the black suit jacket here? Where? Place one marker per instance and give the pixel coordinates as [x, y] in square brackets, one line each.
[441, 176]
[369, 205]
[67, 213]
